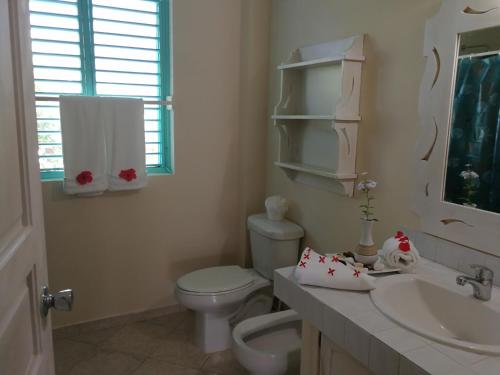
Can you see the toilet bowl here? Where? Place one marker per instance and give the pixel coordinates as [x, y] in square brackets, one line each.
[223, 295]
[216, 295]
[269, 344]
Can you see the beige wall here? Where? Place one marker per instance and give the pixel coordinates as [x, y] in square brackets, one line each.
[387, 134]
[122, 252]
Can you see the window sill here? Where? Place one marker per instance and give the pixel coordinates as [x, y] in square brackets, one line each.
[59, 176]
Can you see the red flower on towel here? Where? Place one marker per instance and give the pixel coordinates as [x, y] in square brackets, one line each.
[84, 178]
[128, 174]
[322, 259]
[399, 235]
[404, 246]
[356, 273]
[302, 264]
[331, 271]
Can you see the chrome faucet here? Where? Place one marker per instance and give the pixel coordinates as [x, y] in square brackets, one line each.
[481, 283]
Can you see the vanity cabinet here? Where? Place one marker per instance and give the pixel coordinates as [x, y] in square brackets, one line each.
[318, 114]
[321, 356]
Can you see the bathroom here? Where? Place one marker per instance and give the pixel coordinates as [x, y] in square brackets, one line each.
[221, 153]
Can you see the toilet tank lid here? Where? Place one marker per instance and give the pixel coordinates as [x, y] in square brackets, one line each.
[276, 230]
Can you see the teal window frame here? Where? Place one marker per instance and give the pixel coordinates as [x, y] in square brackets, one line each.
[89, 81]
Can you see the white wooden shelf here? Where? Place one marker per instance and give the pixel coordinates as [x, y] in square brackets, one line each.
[317, 62]
[329, 95]
[315, 117]
[318, 171]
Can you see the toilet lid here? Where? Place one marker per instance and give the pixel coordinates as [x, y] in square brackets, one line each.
[215, 279]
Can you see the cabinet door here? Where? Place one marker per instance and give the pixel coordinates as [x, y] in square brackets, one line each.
[335, 361]
[309, 359]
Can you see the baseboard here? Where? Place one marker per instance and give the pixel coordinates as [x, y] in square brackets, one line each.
[114, 321]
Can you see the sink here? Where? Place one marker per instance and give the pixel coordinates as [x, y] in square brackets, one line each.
[442, 312]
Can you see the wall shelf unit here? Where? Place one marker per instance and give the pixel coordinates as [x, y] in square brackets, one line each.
[317, 62]
[318, 114]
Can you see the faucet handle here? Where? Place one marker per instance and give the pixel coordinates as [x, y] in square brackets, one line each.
[482, 273]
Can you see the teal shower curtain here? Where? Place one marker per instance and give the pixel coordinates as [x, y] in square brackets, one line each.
[475, 132]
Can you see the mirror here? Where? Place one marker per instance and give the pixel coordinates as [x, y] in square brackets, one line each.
[473, 158]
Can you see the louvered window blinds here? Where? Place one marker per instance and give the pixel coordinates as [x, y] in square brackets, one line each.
[105, 48]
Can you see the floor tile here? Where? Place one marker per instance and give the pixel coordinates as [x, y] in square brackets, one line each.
[158, 367]
[161, 345]
[69, 353]
[65, 332]
[106, 363]
[173, 321]
[223, 363]
[187, 326]
[139, 339]
[96, 337]
[178, 349]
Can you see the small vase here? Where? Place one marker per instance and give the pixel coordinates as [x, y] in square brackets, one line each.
[366, 252]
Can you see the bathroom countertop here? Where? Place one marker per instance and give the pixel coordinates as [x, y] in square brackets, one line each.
[353, 322]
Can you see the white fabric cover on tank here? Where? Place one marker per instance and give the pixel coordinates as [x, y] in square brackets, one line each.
[277, 230]
[215, 279]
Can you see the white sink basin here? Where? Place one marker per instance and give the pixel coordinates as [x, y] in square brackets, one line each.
[444, 313]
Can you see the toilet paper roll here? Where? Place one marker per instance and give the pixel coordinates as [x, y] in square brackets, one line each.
[276, 207]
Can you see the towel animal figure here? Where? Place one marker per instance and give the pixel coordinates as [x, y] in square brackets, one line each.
[329, 272]
[400, 252]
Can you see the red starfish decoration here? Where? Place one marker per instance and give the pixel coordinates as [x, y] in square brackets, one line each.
[307, 256]
[335, 258]
[331, 271]
[356, 273]
[302, 264]
[322, 259]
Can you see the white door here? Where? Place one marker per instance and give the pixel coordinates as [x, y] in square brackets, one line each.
[25, 336]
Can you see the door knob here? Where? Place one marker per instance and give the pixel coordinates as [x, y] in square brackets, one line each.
[62, 300]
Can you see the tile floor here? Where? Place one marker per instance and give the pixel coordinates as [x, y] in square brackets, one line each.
[152, 347]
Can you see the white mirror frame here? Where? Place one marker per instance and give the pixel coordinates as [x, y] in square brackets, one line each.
[467, 226]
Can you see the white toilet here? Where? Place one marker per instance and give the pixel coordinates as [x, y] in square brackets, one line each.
[219, 294]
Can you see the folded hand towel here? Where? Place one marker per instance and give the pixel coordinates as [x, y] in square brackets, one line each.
[329, 272]
[84, 145]
[125, 143]
[400, 252]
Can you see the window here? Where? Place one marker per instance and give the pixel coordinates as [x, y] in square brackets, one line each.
[105, 48]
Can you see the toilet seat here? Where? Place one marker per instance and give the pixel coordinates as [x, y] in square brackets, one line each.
[215, 280]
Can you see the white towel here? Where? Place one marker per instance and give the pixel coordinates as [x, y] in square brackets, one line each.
[125, 143]
[400, 252]
[84, 146]
[329, 272]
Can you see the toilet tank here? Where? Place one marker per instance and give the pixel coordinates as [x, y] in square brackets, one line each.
[274, 244]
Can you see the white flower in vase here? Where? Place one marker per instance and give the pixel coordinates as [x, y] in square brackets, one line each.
[367, 251]
[366, 186]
